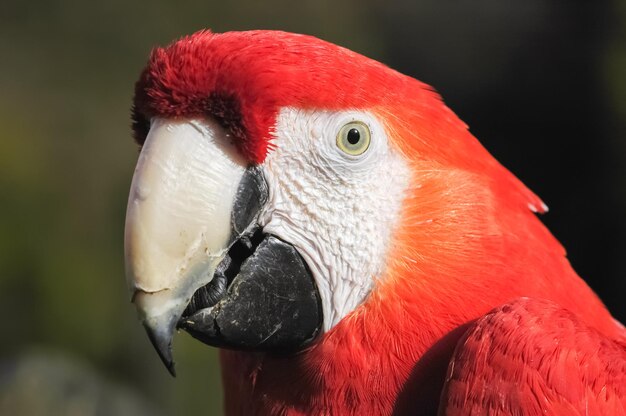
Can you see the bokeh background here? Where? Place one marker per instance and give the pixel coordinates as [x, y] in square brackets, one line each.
[541, 83]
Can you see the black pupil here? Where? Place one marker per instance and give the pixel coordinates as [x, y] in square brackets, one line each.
[353, 136]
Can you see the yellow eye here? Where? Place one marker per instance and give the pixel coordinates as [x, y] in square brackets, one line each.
[354, 138]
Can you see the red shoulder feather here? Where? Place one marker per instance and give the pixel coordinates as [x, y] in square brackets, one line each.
[532, 357]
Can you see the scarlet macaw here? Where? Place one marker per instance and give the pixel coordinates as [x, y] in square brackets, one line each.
[337, 230]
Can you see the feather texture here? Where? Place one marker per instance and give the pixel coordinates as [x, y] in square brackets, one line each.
[532, 357]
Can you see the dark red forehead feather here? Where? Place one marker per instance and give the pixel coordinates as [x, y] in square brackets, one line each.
[244, 78]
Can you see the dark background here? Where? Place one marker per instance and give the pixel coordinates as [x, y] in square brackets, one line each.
[542, 84]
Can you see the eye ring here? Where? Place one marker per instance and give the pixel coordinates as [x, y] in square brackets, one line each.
[354, 138]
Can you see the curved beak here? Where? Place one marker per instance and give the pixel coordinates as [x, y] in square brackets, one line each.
[196, 258]
[178, 220]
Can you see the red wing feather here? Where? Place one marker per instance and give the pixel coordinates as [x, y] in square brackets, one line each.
[531, 357]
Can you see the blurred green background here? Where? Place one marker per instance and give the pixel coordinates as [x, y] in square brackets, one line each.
[541, 83]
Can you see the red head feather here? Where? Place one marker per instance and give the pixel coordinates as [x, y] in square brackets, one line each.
[244, 78]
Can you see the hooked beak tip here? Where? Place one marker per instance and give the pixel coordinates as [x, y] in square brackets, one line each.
[162, 343]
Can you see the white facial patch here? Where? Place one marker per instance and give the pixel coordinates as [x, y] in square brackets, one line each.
[338, 210]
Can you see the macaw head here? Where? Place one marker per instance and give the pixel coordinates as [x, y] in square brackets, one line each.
[286, 184]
